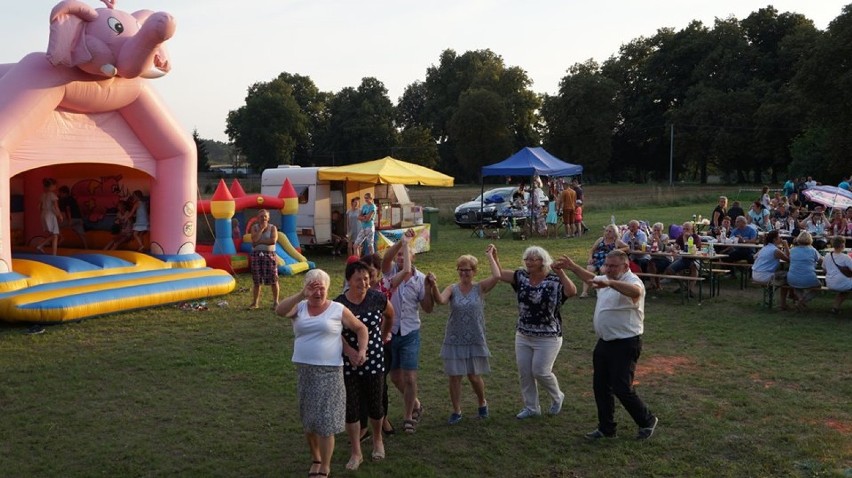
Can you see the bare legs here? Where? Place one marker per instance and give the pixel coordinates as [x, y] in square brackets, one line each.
[53, 239]
[321, 450]
[137, 235]
[406, 382]
[476, 383]
[255, 294]
[353, 430]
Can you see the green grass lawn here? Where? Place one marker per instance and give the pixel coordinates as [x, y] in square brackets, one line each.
[740, 391]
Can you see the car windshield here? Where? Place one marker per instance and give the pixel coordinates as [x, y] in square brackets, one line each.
[505, 193]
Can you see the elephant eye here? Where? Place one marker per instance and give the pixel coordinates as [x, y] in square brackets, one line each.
[115, 25]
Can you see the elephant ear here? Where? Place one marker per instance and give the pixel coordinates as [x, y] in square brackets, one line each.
[142, 15]
[67, 42]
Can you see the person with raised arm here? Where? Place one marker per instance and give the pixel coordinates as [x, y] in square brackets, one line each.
[541, 291]
[318, 355]
[619, 324]
[409, 297]
[465, 348]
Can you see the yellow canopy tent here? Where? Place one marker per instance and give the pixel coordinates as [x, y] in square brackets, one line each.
[386, 171]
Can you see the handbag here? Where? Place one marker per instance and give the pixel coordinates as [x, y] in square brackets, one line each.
[843, 269]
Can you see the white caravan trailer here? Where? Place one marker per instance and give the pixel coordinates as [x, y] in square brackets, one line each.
[319, 199]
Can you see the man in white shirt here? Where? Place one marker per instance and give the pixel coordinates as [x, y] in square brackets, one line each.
[618, 323]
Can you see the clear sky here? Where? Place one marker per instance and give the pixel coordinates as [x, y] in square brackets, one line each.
[222, 47]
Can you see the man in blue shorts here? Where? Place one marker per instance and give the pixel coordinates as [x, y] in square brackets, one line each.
[407, 299]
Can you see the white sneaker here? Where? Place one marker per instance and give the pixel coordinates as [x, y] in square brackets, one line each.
[556, 406]
[527, 413]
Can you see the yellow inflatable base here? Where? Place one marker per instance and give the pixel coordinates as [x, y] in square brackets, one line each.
[77, 286]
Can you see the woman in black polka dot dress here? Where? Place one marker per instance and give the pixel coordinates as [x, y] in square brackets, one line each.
[366, 382]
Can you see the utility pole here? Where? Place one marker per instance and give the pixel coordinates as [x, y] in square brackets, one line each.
[671, 157]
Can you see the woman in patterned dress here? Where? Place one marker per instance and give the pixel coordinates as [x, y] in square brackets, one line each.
[365, 382]
[318, 355]
[541, 292]
[465, 350]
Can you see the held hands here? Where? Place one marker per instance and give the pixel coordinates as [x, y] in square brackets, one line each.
[491, 251]
[431, 280]
[356, 357]
[598, 283]
[564, 262]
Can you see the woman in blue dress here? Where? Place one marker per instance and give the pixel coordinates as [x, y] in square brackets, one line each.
[465, 349]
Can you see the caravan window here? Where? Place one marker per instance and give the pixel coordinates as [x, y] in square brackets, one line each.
[303, 192]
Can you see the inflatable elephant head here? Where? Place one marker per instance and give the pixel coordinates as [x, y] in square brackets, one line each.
[107, 42]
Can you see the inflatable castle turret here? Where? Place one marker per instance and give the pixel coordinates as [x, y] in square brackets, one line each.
[222, 207]
[289, 211]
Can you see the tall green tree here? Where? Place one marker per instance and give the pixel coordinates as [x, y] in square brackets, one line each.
[411, 108]
[201, 151]
[417, 146]
[825, 83]
[277, 121]
[579, 121]
[360, 124]
[640, 136]
[456, 75]
[479, 133]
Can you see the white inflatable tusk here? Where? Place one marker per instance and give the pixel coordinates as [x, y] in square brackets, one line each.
[153, 73]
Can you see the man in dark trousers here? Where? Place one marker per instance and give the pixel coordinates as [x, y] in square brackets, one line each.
[618, 323]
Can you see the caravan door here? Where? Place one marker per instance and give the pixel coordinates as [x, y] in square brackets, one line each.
[313, 223]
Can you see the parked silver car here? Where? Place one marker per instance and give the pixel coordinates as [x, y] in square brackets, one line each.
[468, 214]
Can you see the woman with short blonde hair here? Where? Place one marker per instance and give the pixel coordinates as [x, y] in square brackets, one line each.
[541, 292]
[802, 275]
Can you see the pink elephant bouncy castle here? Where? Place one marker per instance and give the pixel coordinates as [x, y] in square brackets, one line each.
[85, 105]
[87, 100]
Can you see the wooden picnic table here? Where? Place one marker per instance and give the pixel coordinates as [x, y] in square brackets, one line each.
[736, 245]
[705, 266]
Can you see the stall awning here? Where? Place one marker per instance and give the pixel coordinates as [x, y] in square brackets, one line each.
[386, 171]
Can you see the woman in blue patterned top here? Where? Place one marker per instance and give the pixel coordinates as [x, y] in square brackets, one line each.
[465, 350]
[541, 291]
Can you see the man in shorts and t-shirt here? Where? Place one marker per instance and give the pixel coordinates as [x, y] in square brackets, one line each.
[566, 203]
[368, 227]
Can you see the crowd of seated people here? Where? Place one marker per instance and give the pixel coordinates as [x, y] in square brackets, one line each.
[788, 212]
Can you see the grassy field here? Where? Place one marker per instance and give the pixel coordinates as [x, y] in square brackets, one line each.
[740, 391]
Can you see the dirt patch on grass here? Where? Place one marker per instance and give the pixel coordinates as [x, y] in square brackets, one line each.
[844, 428]
[661, 366]
[762, 382]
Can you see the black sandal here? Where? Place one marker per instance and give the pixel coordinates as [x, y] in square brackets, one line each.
[389, 432]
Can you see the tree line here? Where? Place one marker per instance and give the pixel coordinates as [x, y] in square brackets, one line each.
[751, 100]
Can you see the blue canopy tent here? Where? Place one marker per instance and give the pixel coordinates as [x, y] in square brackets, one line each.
[529, 162]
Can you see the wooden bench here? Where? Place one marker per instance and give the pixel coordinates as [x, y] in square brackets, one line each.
[685, 285]
[743, 268]
[768, 292]
[713, 275]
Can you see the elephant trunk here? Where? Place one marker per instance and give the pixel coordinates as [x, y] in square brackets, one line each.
[145, 51]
